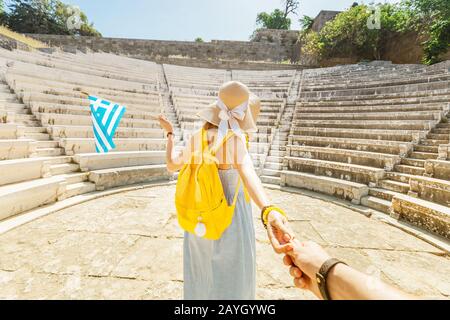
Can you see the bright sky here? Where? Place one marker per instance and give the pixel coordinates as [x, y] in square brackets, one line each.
[189, 19]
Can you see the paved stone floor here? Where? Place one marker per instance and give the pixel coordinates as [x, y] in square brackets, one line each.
[128, 246]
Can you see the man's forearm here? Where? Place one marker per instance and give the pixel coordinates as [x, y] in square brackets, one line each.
[346, 283]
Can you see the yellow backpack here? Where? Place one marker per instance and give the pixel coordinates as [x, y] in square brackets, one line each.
[199, 197]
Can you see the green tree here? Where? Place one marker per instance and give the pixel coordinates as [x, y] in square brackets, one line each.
[274, 20]
[433, 22]
[278, 19]
[306, 22]
[198, 39]
[47, 17]
[349, 35]
[2, 12]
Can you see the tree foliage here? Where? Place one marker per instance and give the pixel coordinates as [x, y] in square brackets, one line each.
[279, 18]
[274, 20]
[306, 22]
[349, 33]
[47, 17]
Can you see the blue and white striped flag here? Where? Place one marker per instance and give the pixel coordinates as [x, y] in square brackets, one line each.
[105, 119]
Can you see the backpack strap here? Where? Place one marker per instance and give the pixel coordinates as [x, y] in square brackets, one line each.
[218, 146]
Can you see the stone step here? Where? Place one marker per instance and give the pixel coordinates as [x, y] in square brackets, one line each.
[277, 153]
[275, 159]
[398, 176]
[20, 197]
[59, 160]
[271, 179]
[383, 193]
[424, 214]
[47, 152]
[441, 131]
[72, 178]
[377, 204]
[58, 169]
[436, 143]
[34, 129]
[76, 189]
[413, 162]
[423, 155]
[429, 149]
[47, 144]
[418, 171]
[438, 136]
[271, 172]
[24, 117]
[445, 125]
[274, 165]
[395, 186]
[37, 136]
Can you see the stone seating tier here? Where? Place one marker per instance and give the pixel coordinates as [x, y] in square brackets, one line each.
[370, 134]
[95, 161]
[380, 146]
[19, 170]
[75, 78]
[393, 115]
[439, 169]
[110, 178]
[16, 148]
[339, 188]
[364, 158]
[425, 214]
[125, 75]
[377, 108]
[430, 189]
[377, 90]
[368, 124]
[17, 82]
[58, 132]
[25, 91]
[344, 171]
[399, 96]
[50, 119]
[84, 110]
[73, 146]
[361, 83]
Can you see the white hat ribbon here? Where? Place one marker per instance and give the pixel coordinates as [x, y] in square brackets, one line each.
[230, 117]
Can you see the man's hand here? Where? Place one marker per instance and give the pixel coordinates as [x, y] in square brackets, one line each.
[305, 260]
[279, 233]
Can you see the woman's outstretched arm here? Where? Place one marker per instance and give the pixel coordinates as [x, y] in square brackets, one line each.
[277, 228]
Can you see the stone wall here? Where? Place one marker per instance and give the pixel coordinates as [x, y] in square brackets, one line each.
[276, 51]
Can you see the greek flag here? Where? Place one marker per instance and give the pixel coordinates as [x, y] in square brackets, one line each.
[105, 119]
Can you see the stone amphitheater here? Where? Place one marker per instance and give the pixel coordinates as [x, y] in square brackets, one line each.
[359, 155]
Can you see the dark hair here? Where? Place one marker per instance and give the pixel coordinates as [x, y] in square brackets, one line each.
[209, 125]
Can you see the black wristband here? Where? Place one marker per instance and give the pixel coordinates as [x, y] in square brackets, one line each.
[169, 134]
[321, 276]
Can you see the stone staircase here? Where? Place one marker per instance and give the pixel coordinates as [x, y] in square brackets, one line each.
[273, 164]
[397, 181]
[167, 106]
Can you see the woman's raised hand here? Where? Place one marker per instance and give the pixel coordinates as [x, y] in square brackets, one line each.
[164, 123]
[280, 235]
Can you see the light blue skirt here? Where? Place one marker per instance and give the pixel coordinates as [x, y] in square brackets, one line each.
[223, 269]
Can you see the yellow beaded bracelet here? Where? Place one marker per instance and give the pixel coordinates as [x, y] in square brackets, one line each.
[265, 213]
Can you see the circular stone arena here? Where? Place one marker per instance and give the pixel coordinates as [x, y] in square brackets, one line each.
[128, 246]
[357, 154]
